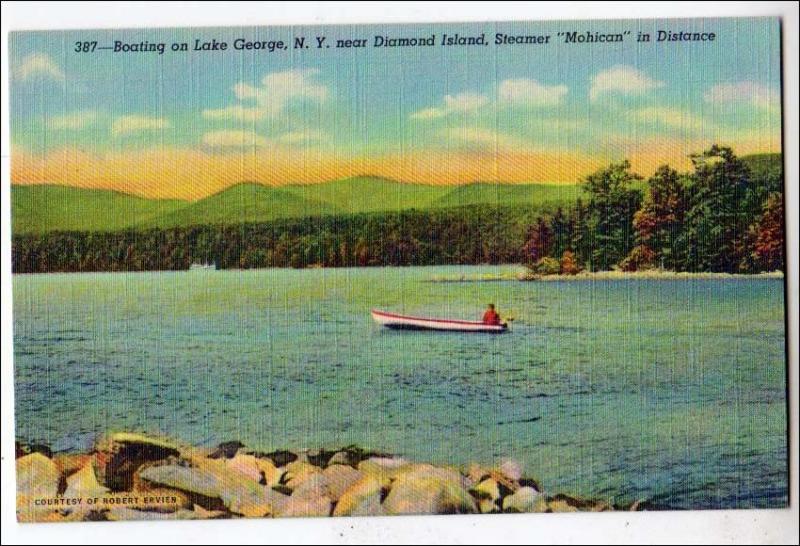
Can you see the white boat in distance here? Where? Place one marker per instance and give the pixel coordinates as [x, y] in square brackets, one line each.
[197, 267]
[405, 322]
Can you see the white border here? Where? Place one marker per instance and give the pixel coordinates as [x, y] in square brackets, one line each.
[768, 526]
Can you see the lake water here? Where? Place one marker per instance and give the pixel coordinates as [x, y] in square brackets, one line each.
[670, 391]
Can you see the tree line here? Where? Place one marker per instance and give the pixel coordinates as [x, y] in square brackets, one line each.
[720, 217]
[460, 235]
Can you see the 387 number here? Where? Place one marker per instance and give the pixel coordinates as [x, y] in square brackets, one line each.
[85, 47]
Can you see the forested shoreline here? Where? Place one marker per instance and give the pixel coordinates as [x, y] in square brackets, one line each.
[725, 216]
[722, 217]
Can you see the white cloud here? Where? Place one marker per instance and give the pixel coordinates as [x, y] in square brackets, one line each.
[39, 65]
[527, 92]
[462, 103]
[276, 91]
[755, 93]
[621, 79]
[136, 123]
[234, 139]
[72, 121]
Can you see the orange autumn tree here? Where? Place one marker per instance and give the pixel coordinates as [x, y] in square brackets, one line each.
[769, 235]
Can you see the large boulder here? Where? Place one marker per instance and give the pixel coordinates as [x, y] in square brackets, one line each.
[305, 504]
[213, 483]
[128, 452]
[38, 477]
[487, 493]
[525, 499]
[340, 478]
[263, 471]
[298, 472]
[363, 498]
[429, 491]
[315, 485]
[246, 465]
[510, 469]
[83, 484]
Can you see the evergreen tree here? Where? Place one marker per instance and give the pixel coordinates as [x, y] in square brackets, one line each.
[612, 204]
[717, 221]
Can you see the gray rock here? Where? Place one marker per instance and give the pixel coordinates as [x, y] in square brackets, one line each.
[429, 492]
[340, 479]
[298, 472]
[192, 480]
[511, 469]
[305, 506]
[487, 489]
[315, 485]
[215, 480]
[37, 477]
[363, 498]
[83, 484]
[525, 499]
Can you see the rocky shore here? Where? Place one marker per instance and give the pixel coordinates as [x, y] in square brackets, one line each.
[133, 477]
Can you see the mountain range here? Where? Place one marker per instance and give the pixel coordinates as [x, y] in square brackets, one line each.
[43, 208]
[49, 207]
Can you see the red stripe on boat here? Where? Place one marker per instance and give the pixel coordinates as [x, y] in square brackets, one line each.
[445, 321]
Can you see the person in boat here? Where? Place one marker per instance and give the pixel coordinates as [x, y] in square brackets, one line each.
[491, 316]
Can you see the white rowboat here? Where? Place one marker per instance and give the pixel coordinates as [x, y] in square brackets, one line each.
[404, 322]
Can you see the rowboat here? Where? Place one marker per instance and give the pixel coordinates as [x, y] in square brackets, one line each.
[405, 322]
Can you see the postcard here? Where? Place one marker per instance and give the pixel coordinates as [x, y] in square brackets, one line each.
[367, 270]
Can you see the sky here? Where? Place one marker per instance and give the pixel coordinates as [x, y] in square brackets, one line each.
[189, 124]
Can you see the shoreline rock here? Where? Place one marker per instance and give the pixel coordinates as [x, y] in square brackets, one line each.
[131, 476]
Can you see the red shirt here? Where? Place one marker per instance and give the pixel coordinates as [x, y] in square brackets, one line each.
[491, 317]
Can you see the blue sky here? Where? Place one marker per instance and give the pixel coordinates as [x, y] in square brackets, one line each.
[433, 114]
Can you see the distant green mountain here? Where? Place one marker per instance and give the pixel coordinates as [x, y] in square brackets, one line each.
[43, 208]
[242, 203]
[541, 195]
[370, 194]
[38, 209]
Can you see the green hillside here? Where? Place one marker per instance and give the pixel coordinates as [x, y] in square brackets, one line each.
[39, 209]
[370, 194]
[42, 208]
[242, 203]
[540, 195]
